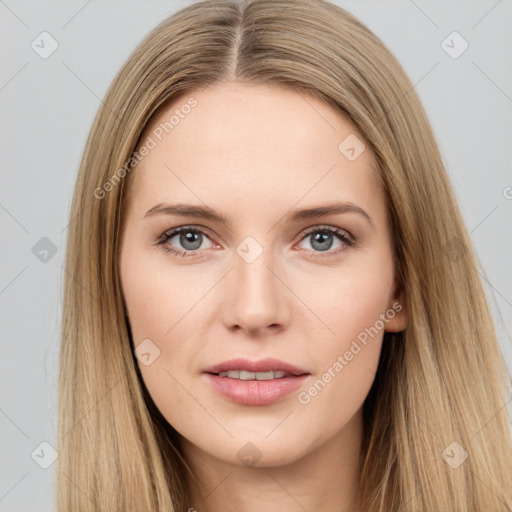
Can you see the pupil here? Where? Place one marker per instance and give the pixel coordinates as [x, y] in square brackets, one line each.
[190, 238]
[320, 239]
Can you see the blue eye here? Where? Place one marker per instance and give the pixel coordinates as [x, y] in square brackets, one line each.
[192, 238]
[322, 239]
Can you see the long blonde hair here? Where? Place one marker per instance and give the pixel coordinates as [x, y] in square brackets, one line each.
[441, 387]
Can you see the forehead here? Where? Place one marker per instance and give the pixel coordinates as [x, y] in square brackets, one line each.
[253, 143]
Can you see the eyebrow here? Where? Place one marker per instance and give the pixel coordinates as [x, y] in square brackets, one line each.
[205, 212]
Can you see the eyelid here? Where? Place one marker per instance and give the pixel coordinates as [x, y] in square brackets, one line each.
[330, 229]
[169, 233]
[206, 230]
[350, 240]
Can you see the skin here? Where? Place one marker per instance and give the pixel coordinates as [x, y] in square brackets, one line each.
[254, 153]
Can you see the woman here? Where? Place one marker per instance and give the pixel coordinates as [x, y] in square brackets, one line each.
[271, 299]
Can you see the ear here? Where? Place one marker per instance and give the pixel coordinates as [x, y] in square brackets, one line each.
[397, 304]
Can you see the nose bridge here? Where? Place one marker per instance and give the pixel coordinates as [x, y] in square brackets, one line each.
[256, 296]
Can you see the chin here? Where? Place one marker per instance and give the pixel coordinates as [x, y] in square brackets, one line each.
[258, 451]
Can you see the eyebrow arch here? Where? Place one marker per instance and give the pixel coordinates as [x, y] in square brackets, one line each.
[329, 209]
[205, 212]
[187, 210]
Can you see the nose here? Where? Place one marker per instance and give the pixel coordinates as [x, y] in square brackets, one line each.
[256, 300]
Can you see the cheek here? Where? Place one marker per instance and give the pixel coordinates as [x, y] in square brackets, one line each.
[347, 354]
[349, 302]
[163, 305]
[157, 302]
[156, 296]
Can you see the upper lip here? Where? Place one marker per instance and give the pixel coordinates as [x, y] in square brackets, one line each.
[263, 365]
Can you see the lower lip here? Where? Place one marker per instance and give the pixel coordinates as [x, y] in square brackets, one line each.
[255, 392]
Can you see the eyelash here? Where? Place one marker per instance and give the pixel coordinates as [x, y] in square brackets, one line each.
[342, 235]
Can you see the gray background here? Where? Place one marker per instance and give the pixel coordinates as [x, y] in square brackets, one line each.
[48, 106]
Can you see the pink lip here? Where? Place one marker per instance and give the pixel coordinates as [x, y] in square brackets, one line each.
[256, 392]
[264, 365]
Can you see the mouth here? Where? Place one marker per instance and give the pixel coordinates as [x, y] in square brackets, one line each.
[251, 370]
[255, 382]
[246, 375]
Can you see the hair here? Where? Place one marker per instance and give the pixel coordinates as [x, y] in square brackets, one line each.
[441, 380]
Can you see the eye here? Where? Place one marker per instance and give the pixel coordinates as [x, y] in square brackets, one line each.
[189, 238]
[322, 238]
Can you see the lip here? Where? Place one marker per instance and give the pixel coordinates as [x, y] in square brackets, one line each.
[255, 392]
[263, 365]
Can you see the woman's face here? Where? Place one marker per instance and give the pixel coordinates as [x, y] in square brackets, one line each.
[257, 272]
